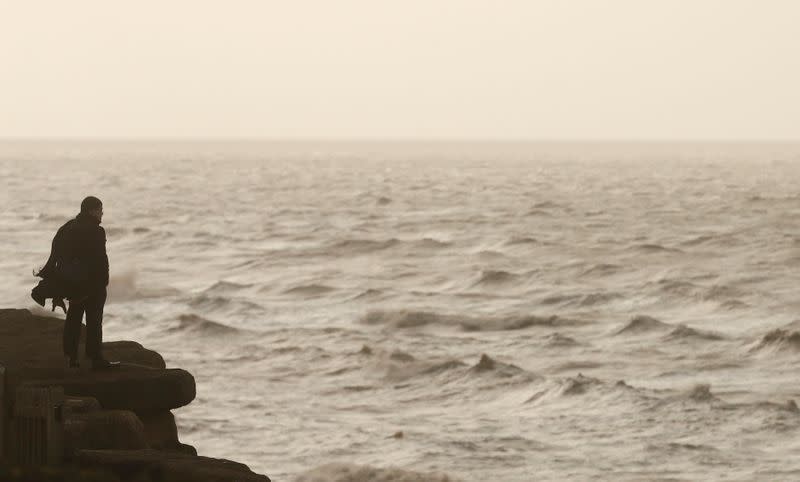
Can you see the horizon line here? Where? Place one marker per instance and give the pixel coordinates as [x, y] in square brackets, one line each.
[435, 140]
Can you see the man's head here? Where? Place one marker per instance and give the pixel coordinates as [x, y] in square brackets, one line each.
[93, 207]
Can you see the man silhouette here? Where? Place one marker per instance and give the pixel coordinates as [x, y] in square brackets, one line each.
[83, 262]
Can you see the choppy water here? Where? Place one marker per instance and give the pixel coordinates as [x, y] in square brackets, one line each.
[480, 312]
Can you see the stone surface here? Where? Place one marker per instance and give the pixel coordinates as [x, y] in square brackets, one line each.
[30, 346]
[129, 388]
[132, 354]
[104, 429]
[80, 404]
[167, 466]
[126, 408]
[187, 449]
[160, 430]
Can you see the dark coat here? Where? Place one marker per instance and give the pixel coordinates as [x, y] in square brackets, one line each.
[82, 241]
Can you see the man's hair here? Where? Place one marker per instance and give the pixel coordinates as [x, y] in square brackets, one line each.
[90, 203]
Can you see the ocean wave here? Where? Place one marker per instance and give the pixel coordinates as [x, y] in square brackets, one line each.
[677, 447]
[487, 364]
[368, 294]
[579, 385]
[726, 295]
[516, 240]
[404, 319]
[787, 406]
[398, 370]
[683, 332]
[700, 393]
[309, 290]
[429, 243]
[191, 323]
[399, 355]
[225, 287]
[721, 292]
[360, 246]
[643, 324]
[208, 302]
[716, 240]
[495, 277]
[490, 254]
[678, 287]
[778, 340]
[487, 373]
[581, 299]
[539, 212]
[356, 246]
[734, 305]
[761, 412]
[557, 340]
[652, 248]
[601, 269]
[340, 472]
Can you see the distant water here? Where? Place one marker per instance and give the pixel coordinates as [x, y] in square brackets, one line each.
[502, 312]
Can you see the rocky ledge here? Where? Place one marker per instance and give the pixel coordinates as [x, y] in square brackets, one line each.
[117, 421]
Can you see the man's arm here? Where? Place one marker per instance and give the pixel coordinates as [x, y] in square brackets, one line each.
[100, 257]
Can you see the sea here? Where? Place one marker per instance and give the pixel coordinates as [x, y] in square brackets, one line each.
[402, 311]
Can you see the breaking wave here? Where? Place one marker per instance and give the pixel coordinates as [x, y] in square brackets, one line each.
[487, 373]
[579, 385]
[362, 473]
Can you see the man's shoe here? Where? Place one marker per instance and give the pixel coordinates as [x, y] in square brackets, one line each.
[103, 364]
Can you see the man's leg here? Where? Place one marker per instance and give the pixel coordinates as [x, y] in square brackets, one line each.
[94, 324]
[72, 329]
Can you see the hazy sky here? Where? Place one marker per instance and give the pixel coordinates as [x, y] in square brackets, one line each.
[530, 69]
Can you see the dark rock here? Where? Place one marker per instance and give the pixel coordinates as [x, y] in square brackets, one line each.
[130, 388]
[160, 430]
[81, 405]
[106, 429]
[126, 408]
[132, 353]
[167, 466]
[187, 449]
